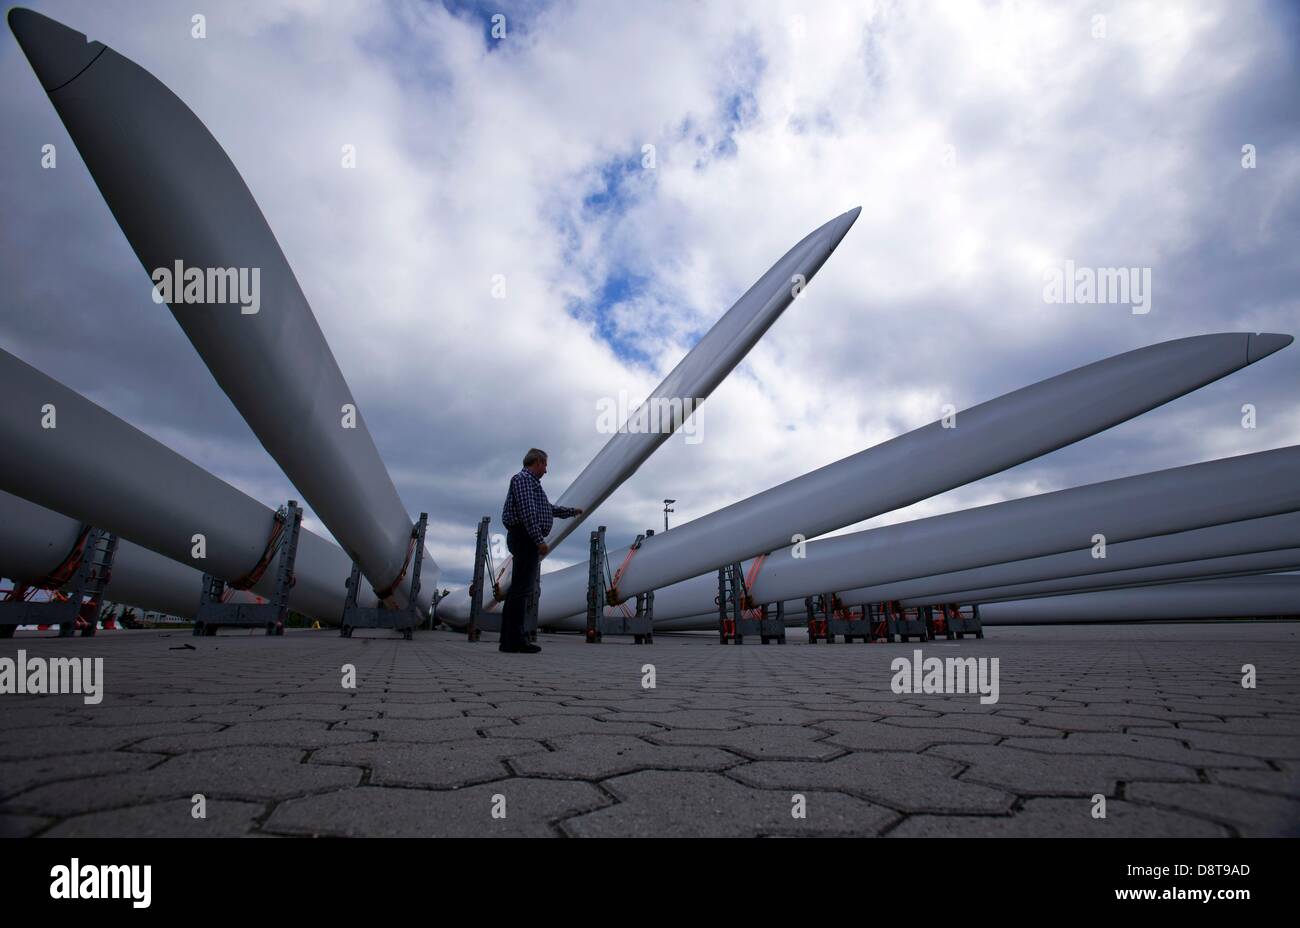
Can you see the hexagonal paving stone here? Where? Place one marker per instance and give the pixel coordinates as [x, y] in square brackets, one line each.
[1269, 747]
[885, 736]
[1052, 818]
[657, 803]
[759, 742]
[252, 773]
[21, 826]
[425, 730]
[1133, 745]
[1284, 781]
[909, 782]
[547, 727]
[530, 805]
[1034, 773]
[438, 765]
[27, 743]
[297, 733]
[712, 719]
[594, 757]
[1253, 814]
[21, 774]
[224, 818]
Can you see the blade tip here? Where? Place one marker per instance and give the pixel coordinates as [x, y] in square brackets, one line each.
[1263, 344]
[56, 52]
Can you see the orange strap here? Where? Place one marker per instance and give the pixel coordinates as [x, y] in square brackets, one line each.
[401, 575]
[496, 583]
[752, 610]
[618, 574]
[248, 580]
[63, 573]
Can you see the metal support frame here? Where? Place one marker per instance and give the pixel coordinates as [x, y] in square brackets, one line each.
[906, 622]
[640, 625]
[481, 621]
[214, 614]
[959, 624]
[819, 612]
[878, 620]
[404, 620]
[738, 616]
[474, 630]
[728, 601]
[839, 619]
[85, 597]
[432, 622]
[828, 619]
[771, 623]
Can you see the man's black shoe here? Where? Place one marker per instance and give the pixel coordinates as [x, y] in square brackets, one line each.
[529, 649]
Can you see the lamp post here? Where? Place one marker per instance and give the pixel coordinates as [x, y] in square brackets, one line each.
[667, 503]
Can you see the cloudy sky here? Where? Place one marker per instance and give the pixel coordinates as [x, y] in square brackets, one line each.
[985, 143]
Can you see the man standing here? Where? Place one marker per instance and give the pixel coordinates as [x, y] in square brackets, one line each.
[527, 516]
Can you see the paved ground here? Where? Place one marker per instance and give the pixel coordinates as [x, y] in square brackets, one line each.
[439, 734]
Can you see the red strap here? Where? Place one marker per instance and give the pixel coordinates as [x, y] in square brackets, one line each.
[248, 580]
[752, 610]
[618, 575]
[392, 587]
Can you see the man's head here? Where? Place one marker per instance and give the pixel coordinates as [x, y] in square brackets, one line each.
[535, 461]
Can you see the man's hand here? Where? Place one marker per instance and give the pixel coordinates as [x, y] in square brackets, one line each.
[577, 512]
[543, 548]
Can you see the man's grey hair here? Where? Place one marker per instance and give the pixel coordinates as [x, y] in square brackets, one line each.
[533, 456]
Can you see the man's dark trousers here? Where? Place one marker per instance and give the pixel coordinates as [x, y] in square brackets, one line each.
[523, 576]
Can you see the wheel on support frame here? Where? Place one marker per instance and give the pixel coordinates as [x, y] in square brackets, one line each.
[408, 633]
[649, 639]
[88, 631]
[637, 639]
[980, 633]
[345, 631]
[7, 631]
